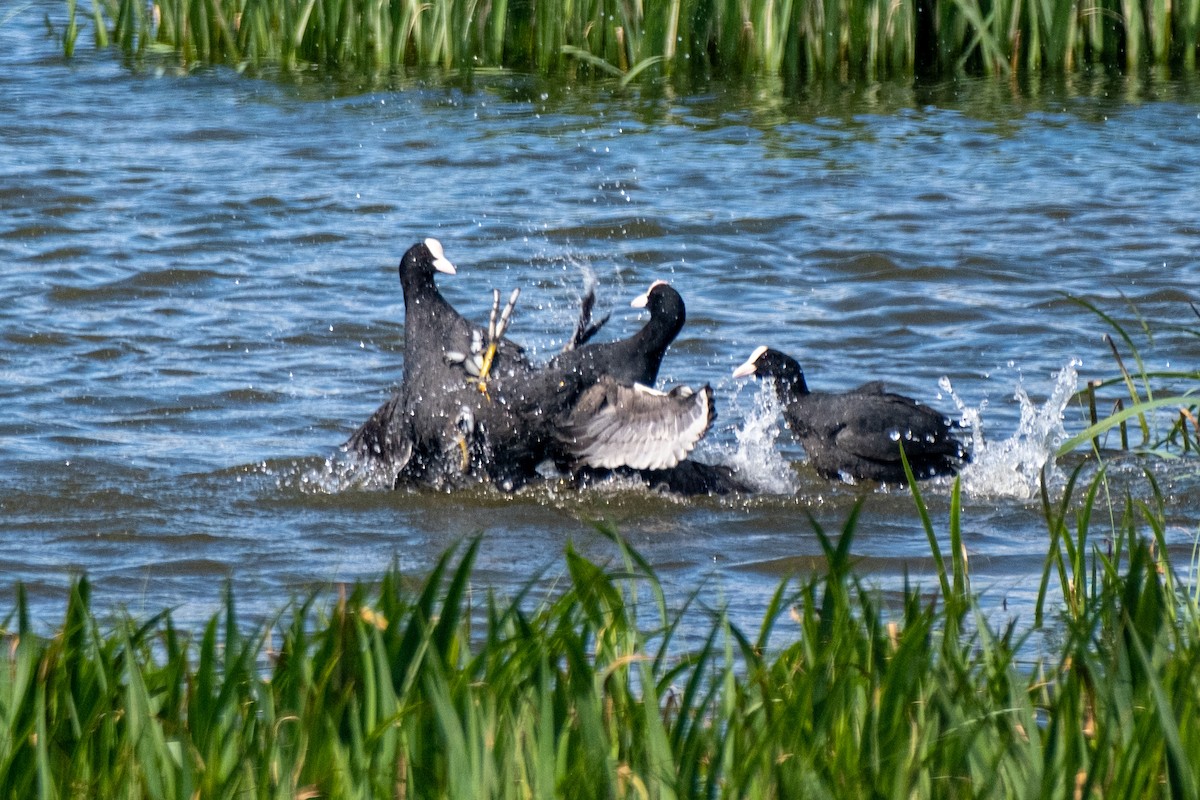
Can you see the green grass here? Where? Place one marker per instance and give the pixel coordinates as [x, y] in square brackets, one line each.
[797, 40]
[437, 689]
[1142, 399]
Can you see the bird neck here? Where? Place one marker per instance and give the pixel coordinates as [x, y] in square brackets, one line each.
[660, 330]
[426, 310]
[791, 386]
[421, 295]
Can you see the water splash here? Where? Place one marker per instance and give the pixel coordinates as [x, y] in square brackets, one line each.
[343, 471]
[1013, 467]
[755, 455]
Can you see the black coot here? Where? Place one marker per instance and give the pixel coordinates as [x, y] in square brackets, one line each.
[441, 425]
[591, 407]
[856, 435]
[636, 361]
[388, 437]
[594, 413]
[413, 431]
[619, 421]
[580, 418]
[638, 358]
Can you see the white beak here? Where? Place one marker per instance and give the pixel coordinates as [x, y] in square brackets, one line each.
[440, 262]
[643, 299]
[751, 365]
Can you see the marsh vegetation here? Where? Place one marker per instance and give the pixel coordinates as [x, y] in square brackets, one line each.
[424, 689]
[798, 40]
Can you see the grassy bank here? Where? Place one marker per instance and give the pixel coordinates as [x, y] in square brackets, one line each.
[440, 691]
[798, 40]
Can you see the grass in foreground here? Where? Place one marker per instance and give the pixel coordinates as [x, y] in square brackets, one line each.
[438, 692]
[797, 40]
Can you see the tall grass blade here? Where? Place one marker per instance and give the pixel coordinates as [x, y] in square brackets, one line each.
[927, 523]
[1112, 421]
[592, 60]
[1181, 772]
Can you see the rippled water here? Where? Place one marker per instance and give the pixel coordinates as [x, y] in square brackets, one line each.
[200, 303]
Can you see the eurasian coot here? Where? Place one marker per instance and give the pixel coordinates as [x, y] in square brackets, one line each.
[583, 409]
[409, 433]
[636, 361]
[638, 358]
[593, 406]
[856, 435]
[574, 413]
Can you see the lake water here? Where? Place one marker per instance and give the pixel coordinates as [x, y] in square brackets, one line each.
[200, 304]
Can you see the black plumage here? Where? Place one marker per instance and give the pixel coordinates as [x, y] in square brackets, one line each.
[636, 361]
[593, 407]
[583, 409]
[415, 431]
[856, 435]
[638, 358]
[688, 477]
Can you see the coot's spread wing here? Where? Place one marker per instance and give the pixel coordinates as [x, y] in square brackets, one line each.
[618, 425]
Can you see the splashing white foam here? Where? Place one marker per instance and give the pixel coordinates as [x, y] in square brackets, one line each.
[756, 456]
[342, 471]
[1013, 467]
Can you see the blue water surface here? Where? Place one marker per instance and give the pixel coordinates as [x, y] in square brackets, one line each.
[199, 304]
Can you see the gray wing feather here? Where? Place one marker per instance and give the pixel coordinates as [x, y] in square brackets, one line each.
[616, 425]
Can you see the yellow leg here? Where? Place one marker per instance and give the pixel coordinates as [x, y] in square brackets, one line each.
[486, 367]
[466, 454]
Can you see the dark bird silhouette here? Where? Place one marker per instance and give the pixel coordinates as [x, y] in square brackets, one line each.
[856, 435]
[637, 361]
[594, 408]
[638, 358]
[416, 431]
[471, 406]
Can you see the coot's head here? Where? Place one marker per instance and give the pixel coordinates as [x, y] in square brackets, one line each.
[665, 306]
[423, 258]
[767, 363]
[660, 298]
